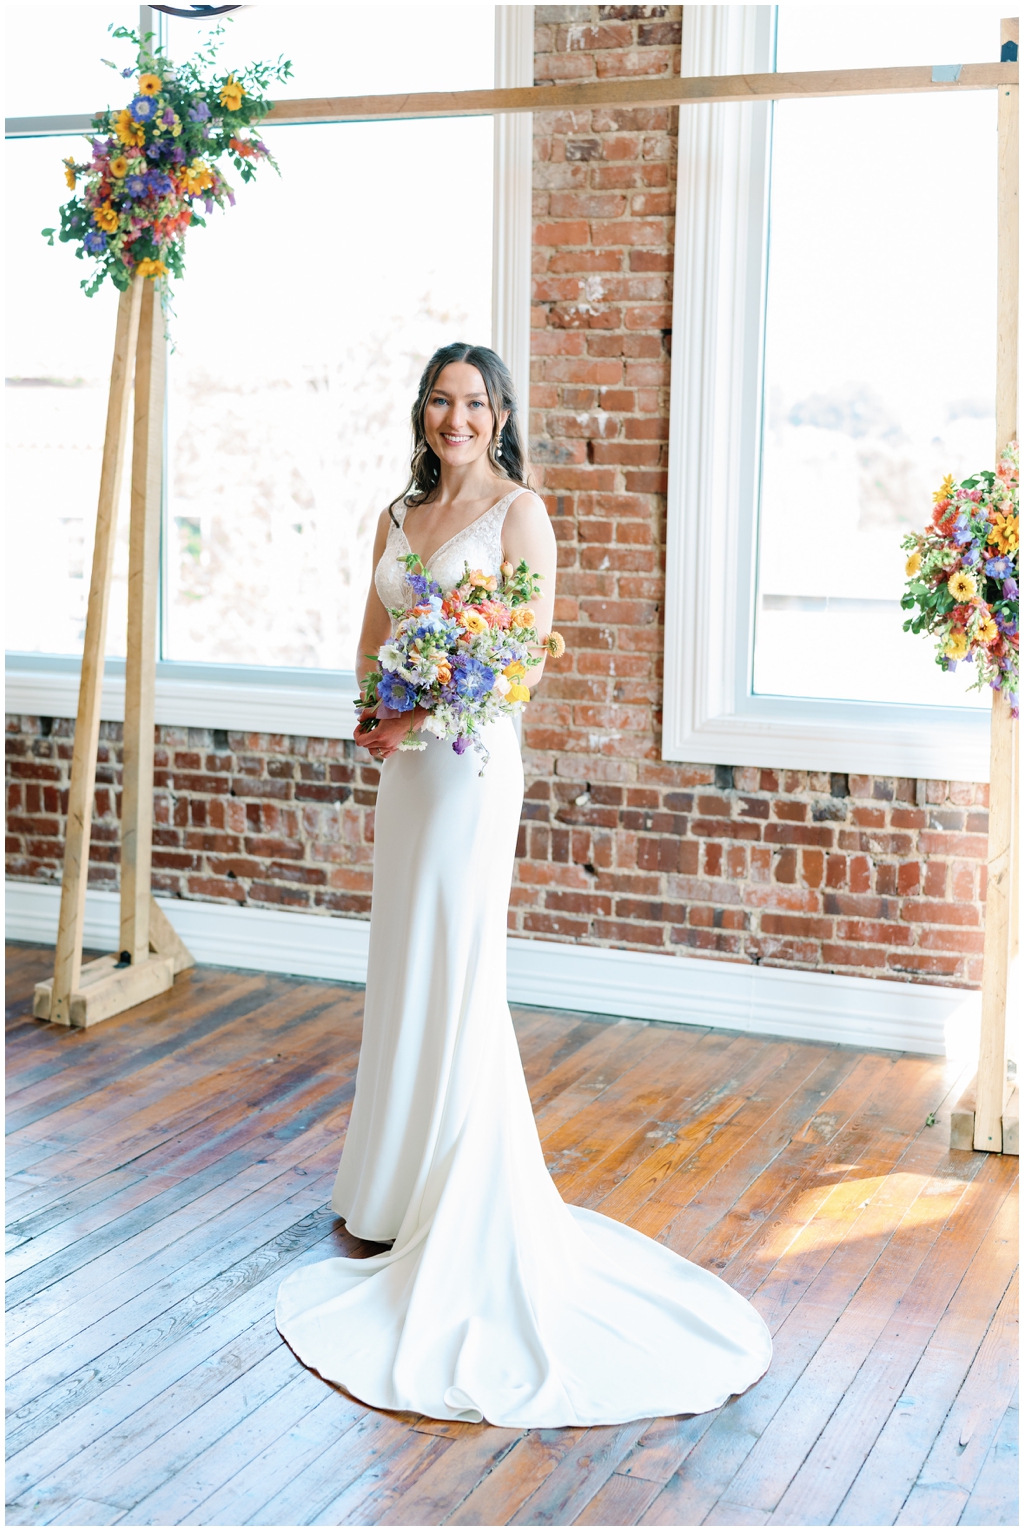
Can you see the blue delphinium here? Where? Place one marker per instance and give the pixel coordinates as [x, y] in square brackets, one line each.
[471, 678]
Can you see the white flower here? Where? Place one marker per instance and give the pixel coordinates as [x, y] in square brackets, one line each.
[435, 725]
[502, 685]
[391, 657]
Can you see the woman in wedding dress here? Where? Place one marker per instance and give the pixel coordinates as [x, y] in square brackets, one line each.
[496, 1301]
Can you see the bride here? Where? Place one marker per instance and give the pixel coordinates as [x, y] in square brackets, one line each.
[496, 1301]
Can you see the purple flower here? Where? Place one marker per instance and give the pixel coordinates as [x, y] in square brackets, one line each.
[168, 117]
[153, 151]
[970, 555]
[160, 183]
[1010, 591]
[179, 155]
[961, 530]
[208, 204]
[143, 108]
[95, 242]
[136, 186]
[998, 568]
[199, 113]
[460, 745]
[126, 74]
[396, 692]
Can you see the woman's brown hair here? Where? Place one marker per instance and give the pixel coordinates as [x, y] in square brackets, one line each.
[505, 450]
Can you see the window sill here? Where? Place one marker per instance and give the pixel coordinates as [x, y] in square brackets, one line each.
[312, 703]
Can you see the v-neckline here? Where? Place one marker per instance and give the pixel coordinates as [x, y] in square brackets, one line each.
[426, 562]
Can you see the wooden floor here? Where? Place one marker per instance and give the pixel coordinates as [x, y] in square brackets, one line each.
[167, 1167]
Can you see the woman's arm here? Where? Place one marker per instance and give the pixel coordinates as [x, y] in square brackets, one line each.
[527, 534]
[388, 733]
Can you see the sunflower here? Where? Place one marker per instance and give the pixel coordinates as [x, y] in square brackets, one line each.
[153, 268]
[956, 644]
[149, 84]
[105, 218]
[130, 132]
[944, 490]
[69, 173]
[962, 586]
[119, 167]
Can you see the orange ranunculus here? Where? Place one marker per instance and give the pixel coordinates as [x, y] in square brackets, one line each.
[444, 673]
[523, 616]
[482, 581]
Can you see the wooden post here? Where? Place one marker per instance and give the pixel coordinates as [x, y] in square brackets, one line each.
[143, 599]
[150, 950]
[68, 962]
[1000, 939]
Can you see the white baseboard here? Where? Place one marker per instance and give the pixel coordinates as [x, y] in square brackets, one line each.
[822, 1007]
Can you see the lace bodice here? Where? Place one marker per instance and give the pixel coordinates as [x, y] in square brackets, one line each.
[478, 544]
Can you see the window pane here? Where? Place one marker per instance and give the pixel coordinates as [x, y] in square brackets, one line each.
[55, 58]
[356, 51]
[59, 348]
[880, 350]
[301, 329]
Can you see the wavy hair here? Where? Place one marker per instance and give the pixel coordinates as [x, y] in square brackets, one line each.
[505, 450]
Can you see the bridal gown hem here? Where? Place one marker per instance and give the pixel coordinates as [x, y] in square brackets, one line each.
[496, 1301]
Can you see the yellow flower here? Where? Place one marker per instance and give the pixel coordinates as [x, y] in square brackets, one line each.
[945, 490]
[473, 622]
[69, 173]
[913, 563]
[555, 644]
[1005, 532]
[151, 268]
[962, 587]
[956, 644]
[522, 616]
[518, 693]
[231, 94]
[513, 671]
[128, 130]
[106, 218]
[119, 167]
[987, 632]
[149, 84]
[198, 176]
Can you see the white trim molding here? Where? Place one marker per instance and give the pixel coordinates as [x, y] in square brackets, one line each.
[695, 991]
[315, 704]
[513, 202]
[711, 714]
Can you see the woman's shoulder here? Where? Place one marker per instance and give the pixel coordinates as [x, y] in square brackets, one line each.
[525, 503]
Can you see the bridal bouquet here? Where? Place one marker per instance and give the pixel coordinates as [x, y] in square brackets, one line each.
[464, 656]
[153, 161]
[963, 574]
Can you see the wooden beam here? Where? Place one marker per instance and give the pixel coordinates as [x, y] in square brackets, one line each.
[1003, 834]
[664, 91]
[105, 988]
[68, 960]
[143, 602]
[165, 941]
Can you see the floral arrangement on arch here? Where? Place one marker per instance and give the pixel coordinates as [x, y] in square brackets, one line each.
[963, 576]
[464, 657]
[153, 162]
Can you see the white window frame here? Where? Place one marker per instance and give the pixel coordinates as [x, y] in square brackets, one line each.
[281, 700]
[711, 715]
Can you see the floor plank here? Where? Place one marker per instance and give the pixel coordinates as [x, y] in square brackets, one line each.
[167, 1167]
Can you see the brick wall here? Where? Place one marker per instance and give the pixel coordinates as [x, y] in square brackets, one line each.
[862, 875]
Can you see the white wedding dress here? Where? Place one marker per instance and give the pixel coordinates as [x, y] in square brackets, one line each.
[497, 1301]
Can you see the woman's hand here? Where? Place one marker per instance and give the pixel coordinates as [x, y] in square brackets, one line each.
[387, 734]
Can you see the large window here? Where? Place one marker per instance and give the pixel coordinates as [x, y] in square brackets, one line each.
[834, 357]
[880, 348]
[299, 331]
